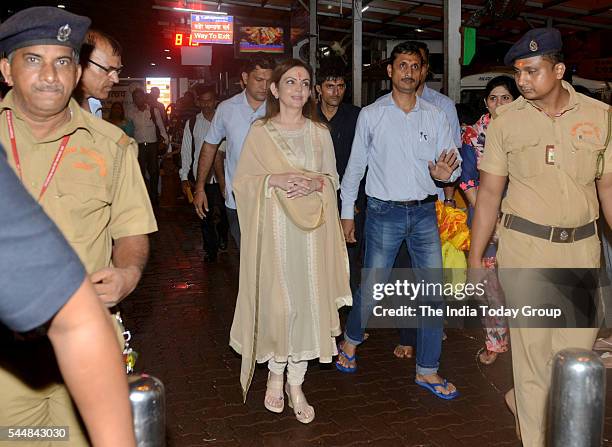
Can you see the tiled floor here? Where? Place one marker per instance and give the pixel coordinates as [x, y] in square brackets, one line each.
[180, 318]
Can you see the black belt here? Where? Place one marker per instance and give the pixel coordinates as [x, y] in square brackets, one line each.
[552, 234]
[410, 203]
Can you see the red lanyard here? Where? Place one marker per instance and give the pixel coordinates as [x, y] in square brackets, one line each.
[54, 164]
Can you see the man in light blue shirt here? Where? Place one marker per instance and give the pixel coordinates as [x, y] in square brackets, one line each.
[406, 144]
[446, 194]
[232, 121]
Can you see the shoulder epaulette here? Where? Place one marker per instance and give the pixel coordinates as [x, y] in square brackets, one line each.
[124, 141]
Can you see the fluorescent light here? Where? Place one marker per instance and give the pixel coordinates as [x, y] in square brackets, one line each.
[168, 57]
[200, 11]
[365, 8]
[167, 50]
[418, 30]
[153, 64]
[61, 6]
[366, 65]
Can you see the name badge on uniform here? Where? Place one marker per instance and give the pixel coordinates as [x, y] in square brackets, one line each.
[550, 154]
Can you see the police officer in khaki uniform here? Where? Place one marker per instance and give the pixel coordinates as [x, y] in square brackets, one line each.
[546, 144]
[84, 173]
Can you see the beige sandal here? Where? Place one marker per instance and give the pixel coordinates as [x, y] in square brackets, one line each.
[274, 400]
[303, 412]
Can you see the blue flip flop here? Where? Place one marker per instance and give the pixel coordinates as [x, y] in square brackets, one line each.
[432, 388]
[350, 358]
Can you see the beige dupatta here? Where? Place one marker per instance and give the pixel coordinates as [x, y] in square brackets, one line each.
[261, 295]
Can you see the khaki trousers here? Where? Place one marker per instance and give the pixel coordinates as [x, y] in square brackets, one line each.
[534, 348]
[32, 392]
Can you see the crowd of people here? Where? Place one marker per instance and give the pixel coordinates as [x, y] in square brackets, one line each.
[311, 190]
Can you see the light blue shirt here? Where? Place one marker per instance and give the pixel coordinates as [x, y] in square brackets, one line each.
[447, 105]
[395, 147]
[95, 106]
[232, 121]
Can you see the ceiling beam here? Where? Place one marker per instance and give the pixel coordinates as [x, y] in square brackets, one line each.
[348, 31]
[402, 12]
[592, 12]
[553, 3]
[567, 21]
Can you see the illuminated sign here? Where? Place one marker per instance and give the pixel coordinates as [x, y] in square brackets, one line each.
[163, 84]
[261, 39]
[212, 29]
[184, 40]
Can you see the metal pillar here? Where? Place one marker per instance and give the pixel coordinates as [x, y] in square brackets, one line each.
[313, 36]
[357, 51]
[148, 400]
[452, 49]
[577, 399]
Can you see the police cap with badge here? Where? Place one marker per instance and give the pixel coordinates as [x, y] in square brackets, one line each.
[42, 25]
[535, 42]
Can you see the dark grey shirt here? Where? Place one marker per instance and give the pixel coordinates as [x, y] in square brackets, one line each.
[39, 271]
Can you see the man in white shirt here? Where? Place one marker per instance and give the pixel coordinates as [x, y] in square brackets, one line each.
[101, 61]
[214, 237]
[145, 134]
[232, 121]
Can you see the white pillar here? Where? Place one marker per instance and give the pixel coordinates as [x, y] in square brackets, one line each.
[452, 49]
[357, 51]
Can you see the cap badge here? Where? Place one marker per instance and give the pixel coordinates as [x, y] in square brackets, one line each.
[533, 45]
[63, 34]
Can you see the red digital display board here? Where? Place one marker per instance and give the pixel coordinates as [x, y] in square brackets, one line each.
[184, 40]
[212, 29]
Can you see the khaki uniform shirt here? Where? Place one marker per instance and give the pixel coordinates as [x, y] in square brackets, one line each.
[557, 189]
[81, 198]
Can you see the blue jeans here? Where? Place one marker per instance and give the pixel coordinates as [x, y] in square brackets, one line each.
[387, 226]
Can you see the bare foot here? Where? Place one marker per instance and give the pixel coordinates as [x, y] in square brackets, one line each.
[349, 349]
[403, 352]
[487, 357]
[435, 378]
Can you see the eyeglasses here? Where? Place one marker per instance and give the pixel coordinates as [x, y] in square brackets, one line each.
[109, 70]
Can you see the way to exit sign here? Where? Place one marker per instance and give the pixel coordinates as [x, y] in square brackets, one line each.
[212, 29]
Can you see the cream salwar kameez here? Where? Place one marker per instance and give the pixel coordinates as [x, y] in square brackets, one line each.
[293, 264]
